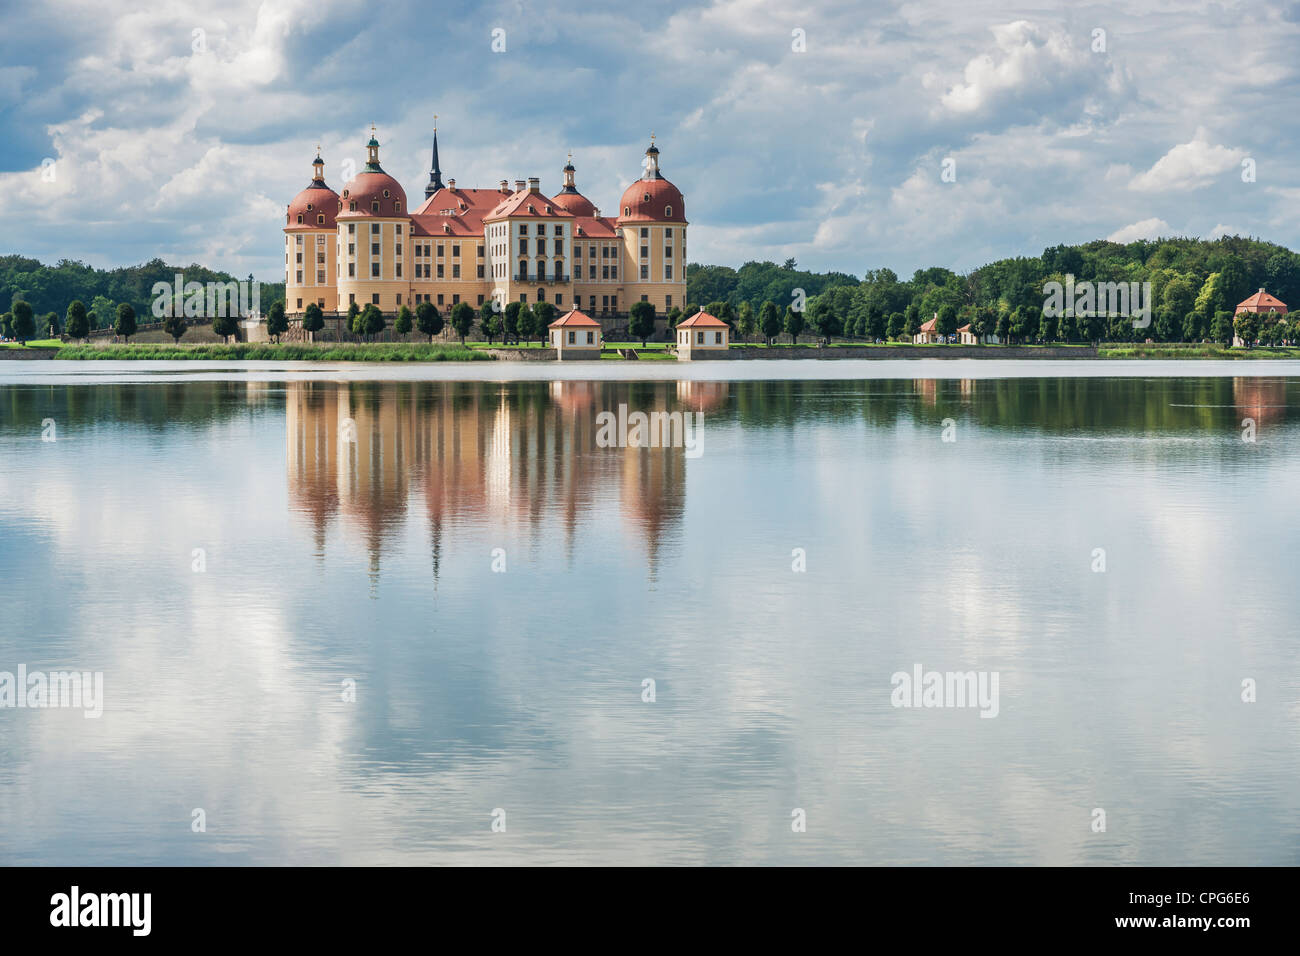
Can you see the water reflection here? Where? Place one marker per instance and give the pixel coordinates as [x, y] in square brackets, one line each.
[349, 529]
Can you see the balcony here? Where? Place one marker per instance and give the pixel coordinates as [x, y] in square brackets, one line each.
[544, 280]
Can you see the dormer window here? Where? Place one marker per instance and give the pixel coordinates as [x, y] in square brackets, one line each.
[627, 210]
[548, 210]
[374, 205]
[668, 212]
[397, 207]
[352, 205]
[345, 194]
[320, 220]
[385, 193]
[308, 205]
[300, 219]
[645, 198]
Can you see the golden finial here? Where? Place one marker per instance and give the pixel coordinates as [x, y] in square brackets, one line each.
[435, 121]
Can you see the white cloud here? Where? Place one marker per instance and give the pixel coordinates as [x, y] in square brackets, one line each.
[1191, 165]
[1146, 229]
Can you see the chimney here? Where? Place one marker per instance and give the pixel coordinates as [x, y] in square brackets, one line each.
[505, 186]
[519, 185]
[451, 184]
[534, 184]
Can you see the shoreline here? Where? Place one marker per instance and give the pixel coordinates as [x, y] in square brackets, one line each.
[125, 372]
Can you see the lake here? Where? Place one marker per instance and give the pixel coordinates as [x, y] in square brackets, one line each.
[415, 614]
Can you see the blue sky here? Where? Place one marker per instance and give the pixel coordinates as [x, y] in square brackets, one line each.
[832, 154]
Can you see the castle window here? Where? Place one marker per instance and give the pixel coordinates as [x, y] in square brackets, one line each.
[352, 206]
[300, 219]
[455, 270]
[523, 229]
[668, 212]
[374, 248]
[480, 272]
[374, 298]
[320, 279]
[627, 210]
[455, 252]
[645, 198]
[374, 228]
[668, 233]
[352, 228]
[320, 220]
[374, 270]
[374, 205]
[645, 272]
[399, 229]
[668, 273]
[645, 233]
[441, 247]
[385, 193]
[397, 207]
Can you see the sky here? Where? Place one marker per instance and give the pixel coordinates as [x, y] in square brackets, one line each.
[848, 136]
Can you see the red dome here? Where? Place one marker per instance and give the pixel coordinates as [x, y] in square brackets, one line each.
[652, 200]
[312, 203]
[574, 203]
[371, 187]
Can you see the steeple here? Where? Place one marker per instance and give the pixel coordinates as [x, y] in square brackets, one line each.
[372, 153]
[435, 174]
[318, 168]
[651, 162]
[569, 185]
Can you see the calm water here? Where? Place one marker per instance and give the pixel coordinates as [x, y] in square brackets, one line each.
[348, 533]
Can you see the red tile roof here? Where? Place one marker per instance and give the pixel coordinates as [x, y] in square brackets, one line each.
[1261, 301]
[574, 317]
[454, 212]
[930, 325]
[367, 187]
[647, 200]
[702, 320]
[316, 200]
[528, 204]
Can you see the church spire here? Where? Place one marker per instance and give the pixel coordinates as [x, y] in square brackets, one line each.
[435, 174]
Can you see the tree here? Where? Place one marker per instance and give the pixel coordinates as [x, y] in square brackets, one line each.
[745, 320]
[125, 324]
[372, 321]
[77, 323]
[489, 324]
[225, 326]
[1221, 329]
[428, 320]
[946, 324]
[1246, 325]
[174, 325]
[895, 326]
[510, 322]
[1002, 327]
[24, 323]
[642, 324]
[1193, 326]
[462, 319]
[50, 325]
[404, 322]
[911, 321]
[7, 325]
[769, 321]
[313, 320]
[276, 321]
[526, 320]
[488, 317]
[354, 310]
[824, 318]
[794, 324]
[543, 314]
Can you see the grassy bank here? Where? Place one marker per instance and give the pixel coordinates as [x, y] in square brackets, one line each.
[1195, 352]
[35, 344]
[379, 352]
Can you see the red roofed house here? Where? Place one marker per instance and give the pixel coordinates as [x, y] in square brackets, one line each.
[576, 336]
[702, 336]
[1261, 302]
[929, 334]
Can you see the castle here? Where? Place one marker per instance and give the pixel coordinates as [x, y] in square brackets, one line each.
[367, 245]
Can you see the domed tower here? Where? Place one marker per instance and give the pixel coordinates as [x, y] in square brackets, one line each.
[652, 226]
[310, 259]
[569, 199]
[374, 239]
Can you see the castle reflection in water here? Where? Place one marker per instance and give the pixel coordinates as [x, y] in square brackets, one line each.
[483, 454]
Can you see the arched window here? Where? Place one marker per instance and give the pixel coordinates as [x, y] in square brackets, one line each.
[300, 219]
[627, 210]
[541, 295]
[668, 212]
[320, 220]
